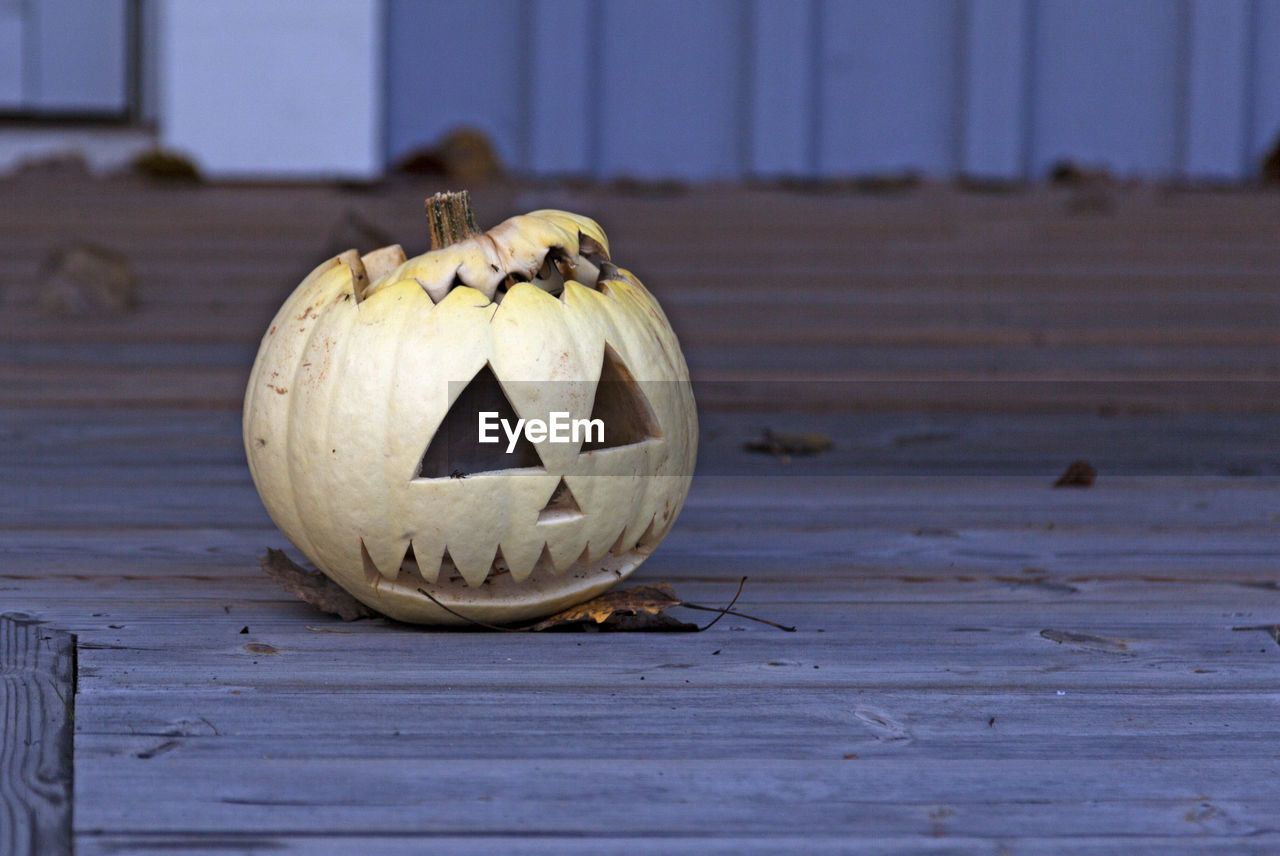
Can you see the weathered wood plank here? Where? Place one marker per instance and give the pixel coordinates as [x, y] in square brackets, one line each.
[587, 796]
[956, 565]
[707, 843]
[944, 592]
[814, 504]
[841, 648]
[814, 732]
[37, 687]
[1166, 389]
[1099, 352]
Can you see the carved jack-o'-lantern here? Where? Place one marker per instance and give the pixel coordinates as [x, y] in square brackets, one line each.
[369, 400]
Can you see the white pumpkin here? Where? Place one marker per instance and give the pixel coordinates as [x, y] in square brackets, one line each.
[366, 465]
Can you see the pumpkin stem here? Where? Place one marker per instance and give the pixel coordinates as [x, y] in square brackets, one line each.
[450, 219]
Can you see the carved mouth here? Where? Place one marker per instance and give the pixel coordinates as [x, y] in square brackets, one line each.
[499, 581]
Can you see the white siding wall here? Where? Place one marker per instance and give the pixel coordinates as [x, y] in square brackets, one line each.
[280, 88]
[723, 88]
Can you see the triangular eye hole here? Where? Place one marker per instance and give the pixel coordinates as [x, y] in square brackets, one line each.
[621, 406]
[455, 451]
[562, 505]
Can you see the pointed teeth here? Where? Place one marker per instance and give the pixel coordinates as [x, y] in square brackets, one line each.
[386, 559]
[473, 564]
[428, 561]
[623, 544]
[499, 564]
[649, 539]
[371, 575]
[545, 565]
[521, 561]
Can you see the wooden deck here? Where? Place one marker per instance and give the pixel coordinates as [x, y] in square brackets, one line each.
[984, 664]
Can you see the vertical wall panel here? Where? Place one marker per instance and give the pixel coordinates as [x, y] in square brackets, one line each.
[148, 59]
[888, 87]
[782, 80]
[451, 64]
[1218, 57]
[672, 88]
[727, 88]
[10, 54]
[562, 92]
[994, 109]
[1266, 83]
[1107, 84]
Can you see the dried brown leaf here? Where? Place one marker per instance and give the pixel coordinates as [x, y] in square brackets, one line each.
[464, 154]
[166, 165]
[314, 587]
[638, 601]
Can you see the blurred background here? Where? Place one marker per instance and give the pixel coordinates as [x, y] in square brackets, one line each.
[649, 89]
[928, 261]
[904, 208]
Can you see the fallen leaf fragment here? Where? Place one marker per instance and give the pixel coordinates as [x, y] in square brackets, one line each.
[85, 279]
[260, 648]
[1086, 641]
[644, 604]
[464, 154]
[1079, 473]
[1271, 165]
[314, 587]
[784, 445]
[166, 165]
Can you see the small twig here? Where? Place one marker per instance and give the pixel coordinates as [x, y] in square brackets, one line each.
[427, 594]
[1272, 630]
[742, 582]
[728, 610]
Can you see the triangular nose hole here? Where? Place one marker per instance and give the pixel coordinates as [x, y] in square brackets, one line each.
[561, 506]
[455, 451]
[621, 407]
